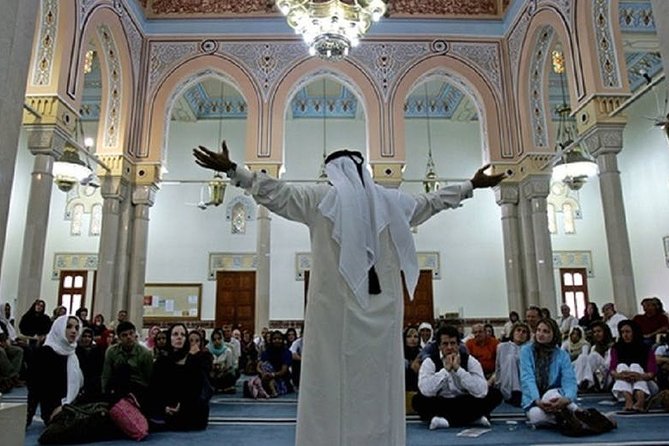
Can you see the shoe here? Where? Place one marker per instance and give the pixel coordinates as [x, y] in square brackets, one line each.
[483, 422]
[439, 423]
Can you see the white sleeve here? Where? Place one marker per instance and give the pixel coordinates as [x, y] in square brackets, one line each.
[472, 380]
[429, 382]
[447, 197]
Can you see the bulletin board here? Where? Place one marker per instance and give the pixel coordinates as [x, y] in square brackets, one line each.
[173, 301]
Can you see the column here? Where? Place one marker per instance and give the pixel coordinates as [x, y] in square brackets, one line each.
[507, 199]
[661, 16]
[120, 288]
[527, 254]
[112, 193]
[143, 197]
[536, 190]
[605, 142]
[263, 269]
[45, 144]
[17, 26]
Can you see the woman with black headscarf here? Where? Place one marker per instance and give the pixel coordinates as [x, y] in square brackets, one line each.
[633, 367]
[35, 324]
[179, 389]
[547, 377]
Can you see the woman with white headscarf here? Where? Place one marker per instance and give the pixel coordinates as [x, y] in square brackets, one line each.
[55, 377]
[351, 387]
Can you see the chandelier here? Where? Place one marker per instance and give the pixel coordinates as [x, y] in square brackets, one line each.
[331, 27]
[572, 164]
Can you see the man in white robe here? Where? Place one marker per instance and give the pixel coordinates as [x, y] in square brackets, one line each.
[352, 383]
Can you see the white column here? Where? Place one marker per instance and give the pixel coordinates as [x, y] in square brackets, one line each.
[507, 199]
[120, 288]
[661, 16]
[263, 268]
[17, 27]
[528, 255]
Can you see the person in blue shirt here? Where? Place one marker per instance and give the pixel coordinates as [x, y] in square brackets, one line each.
[547, 376]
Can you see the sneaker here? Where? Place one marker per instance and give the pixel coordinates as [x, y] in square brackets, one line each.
[439, 423]
[483, 422]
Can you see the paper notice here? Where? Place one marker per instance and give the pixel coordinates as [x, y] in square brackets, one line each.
[155, 301]
[169, 305]
[192, 299]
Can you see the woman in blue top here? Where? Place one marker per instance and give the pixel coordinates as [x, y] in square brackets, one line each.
[547, 377]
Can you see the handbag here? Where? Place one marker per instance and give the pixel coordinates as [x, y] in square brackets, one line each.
[583, 422]
[83, 423]
[129, 419]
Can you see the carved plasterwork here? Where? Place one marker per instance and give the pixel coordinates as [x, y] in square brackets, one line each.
[537, 94]
[69, 261]
[134, 40]
[532, 164]
[597, 111]
[266, 61]
[249, 206]
[114, 87]
[228, 261]
[85, 8]
[45, 42]
[386, 61]
[573, 259]
[451, 8]
[163, 56]
[609, 69]
[485, 56]
[604, 139]
[207, 8]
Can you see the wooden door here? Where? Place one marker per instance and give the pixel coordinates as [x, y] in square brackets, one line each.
[236, 299]
[574, 289]
[421, 309]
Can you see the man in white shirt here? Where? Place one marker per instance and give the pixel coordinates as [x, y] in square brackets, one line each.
[612, 318]
[452, 388]
[566, 322]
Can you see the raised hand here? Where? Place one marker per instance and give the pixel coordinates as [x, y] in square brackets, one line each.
[481, 180]
[220, 162]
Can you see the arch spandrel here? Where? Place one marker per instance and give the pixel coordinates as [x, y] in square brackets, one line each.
[157, 112]
[344, 71]
[495, 140]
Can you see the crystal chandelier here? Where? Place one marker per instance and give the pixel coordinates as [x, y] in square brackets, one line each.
[572, 164]
[331, 27]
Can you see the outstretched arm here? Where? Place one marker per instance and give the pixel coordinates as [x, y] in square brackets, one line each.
[481, 180]
[220, 162]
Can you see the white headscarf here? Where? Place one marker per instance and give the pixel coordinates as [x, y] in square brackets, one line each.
[11, 331]
[57, 340]
[429, 327]
[359, 214]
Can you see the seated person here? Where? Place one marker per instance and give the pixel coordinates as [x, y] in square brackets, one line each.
[592, 370]
[575, 344]
[222, 375]
[507, 331]
[296, 360]
[127, 367]
[566, 321]
[425, 333]
[54, 377]
[484, 348]
[91, 359]
[653, 321]
[411, 359]
[507, 364]
[452, 388]
[11, 357]
[180, 389]
[273, 366]
[662, 360]
[248, 361]
[633, 367]
[546, 375]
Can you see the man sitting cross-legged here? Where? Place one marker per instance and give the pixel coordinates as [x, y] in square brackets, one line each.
[452, 388]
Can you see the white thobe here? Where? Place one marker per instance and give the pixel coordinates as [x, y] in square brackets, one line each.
[352, 381]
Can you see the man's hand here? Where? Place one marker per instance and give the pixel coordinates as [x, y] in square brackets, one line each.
[481, 180]
[220, 162]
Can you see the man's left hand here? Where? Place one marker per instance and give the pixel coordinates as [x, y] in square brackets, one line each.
[481, 180]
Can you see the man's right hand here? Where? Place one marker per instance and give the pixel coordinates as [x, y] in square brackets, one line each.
[220, 162]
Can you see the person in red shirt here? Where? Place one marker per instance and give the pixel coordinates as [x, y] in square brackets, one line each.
[484, 348]
[653, 321]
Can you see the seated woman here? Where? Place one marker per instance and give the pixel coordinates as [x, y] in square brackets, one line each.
[273, 366]
[592, 370]
[150, 341]
[222, 375]
[160, 345]
[179, 390]
[98, 326]
[411, 360]
[507, 332]
[248, 361]
[575, 344]
[546, 375]
[55, 377]
[91, 359]
[633, 367]
[507, 364]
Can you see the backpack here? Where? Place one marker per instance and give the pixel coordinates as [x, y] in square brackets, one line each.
[583, 422]
[83, 423]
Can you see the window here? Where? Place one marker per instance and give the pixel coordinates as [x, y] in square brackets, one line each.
[72, 290]
[574, 289]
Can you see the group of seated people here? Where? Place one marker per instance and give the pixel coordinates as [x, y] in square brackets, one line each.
[539, 364]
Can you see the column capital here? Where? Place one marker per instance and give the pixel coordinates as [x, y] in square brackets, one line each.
[50, 111]
[113, 187]
[536, 186]
[144, 194]
[119, 166]
[507, 193]
[603, 138]
[46, 139]
[387, 174]
[597, 111]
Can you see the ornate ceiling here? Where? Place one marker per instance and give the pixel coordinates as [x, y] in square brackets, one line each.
[461, 9]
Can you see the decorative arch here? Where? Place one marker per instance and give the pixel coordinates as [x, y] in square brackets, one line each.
[103, 27]
[157, 113]
[533, 109]
[346, 72]
[495, 144]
